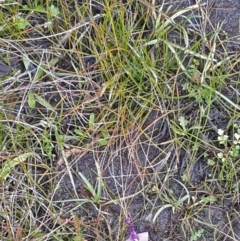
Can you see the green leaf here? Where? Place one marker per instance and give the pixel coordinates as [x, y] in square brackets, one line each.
[210, 162]
[21, 22]
[91, 121]
[39, 8]
[41, 69]
[195, 236]
[183, 122]
[88, 185]
[208, 199]
[105, 134]
[11, 163]
[180, 202]
[102, 142]
[80, 133]
[38, 74]
[184, 177]
[99, 190]
[26, 63]
[205, 154]
[160, 210]
[54, 10]
[31, 99]
[43, 102]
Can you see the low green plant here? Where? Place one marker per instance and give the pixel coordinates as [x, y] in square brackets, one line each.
[172, 202]
[195, 236]
[9, 164]
[36, 6]
[227, 160]
[20, 22]
[96, 195]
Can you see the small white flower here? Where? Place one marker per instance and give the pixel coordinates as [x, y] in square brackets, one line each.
[237, 137]
[220, 132]
[222, 139]
[220, 155]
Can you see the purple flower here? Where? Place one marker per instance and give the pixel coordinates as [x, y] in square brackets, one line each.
[133, 233]
[128, 220]
[135, 236]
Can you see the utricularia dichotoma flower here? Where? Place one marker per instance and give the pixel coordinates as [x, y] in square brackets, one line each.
[221, 137]
[237, 139]
[134, 236]
[221, 156]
